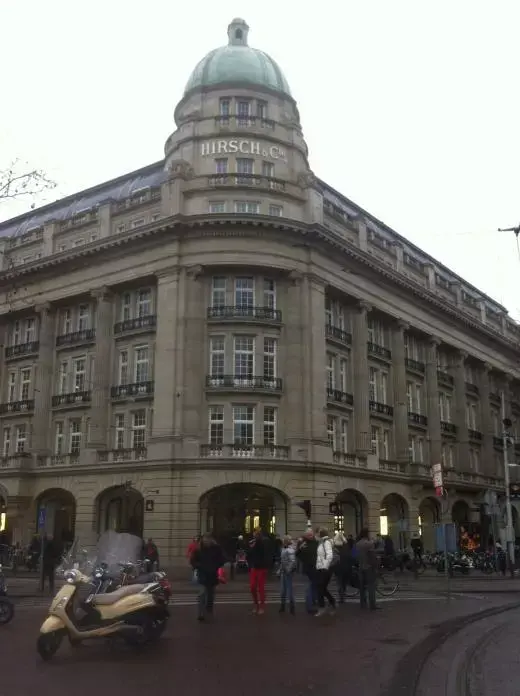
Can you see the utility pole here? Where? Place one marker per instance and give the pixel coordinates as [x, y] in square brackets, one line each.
[506, 440]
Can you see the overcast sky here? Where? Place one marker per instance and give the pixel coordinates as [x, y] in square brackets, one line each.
[410, 108]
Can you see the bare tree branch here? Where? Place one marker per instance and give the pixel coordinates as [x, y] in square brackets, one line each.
[16, 182]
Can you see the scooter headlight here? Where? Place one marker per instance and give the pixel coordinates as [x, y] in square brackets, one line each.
[71, 576]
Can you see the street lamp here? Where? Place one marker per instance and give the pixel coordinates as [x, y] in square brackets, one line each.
[506, 441]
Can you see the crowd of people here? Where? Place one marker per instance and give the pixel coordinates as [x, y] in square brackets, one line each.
[320, 557]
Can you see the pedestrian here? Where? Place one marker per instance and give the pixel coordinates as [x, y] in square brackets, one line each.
[368, 565]
[50, 557]
[324, 564]
[206, 561]
[151, 556]
[306, 553]
[341, 569]
[287, 570]
[258, 561]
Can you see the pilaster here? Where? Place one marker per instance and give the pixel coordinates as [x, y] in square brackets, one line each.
[101, 380]
[360, 356]
[44, 380]
[460, 413]
[486, 422]
[400, 399]
[432, 402]
[193, 363]
[296, 421]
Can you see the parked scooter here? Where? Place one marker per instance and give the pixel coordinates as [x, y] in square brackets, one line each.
[6, 606]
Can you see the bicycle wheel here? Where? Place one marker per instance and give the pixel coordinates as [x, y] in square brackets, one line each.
[386, 585]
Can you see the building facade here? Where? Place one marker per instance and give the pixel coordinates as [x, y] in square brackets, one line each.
[202, 343]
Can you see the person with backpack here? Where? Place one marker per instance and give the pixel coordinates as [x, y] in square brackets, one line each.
[324, 566]
[306, 553]
[287, 570]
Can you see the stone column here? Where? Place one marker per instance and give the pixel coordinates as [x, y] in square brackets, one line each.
[166, 384]
[400, 399]
[460, 413]
[43, 383]
[486, 422]
[360, 357]
[101, 380]
[432, 402]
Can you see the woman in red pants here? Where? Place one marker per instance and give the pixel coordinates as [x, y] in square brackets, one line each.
[258, 560]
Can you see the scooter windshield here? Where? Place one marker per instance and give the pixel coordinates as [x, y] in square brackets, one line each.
[115, 549]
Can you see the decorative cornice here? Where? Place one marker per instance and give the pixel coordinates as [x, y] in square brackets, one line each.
[195, 271]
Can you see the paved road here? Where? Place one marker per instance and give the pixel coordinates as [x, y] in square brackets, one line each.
[353, 652]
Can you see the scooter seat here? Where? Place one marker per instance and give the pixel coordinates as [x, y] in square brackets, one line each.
[113, 597]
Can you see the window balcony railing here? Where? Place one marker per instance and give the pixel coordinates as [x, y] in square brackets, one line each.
[379, 351]
[225, 121]
[18, 461]
[337, 334]
[380, 409]
[244, 383]
[248, 313]
[59, 460]
[251, 180]
[148, 321]
[132, 454]
[238, 451]
[417, 418]
[22, 349]
[82, 336]
[74, 398]
[415, 365]
[339, 397]
[345, 459]
[17, 406]
[474, 435]
[444, 377]
[449, 428]
[471, 388]
[136, 389]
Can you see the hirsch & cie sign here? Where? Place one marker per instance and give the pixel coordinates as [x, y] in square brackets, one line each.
[215, 148]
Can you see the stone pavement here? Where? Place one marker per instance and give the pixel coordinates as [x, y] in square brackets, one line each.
[352, 653]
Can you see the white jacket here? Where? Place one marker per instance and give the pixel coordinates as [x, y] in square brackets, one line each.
[324, 555]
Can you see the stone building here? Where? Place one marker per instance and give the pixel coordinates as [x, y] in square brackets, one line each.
[202, 343]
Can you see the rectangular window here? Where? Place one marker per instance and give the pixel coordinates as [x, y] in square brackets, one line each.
[412, 348]
[331, 431]
[221, 165]
[330, 371]
[141, 364]
[79, 374]
[217, 356]
[218, 292]
[495, 419]
[216, 425]
[270, 358]
[416, 449]
[224, 107]
[378, 385]
[474, 459]
[123, 367]
[126, 306]
[270, 420]
[217, 207]
[269, 293]
[21, 438]
[328, 312]
[372, 387]
[409, 397]
[275, 210]
[25, 384]
[261, 109]
[29, 331]
[268, 169]
[343, 375]
[139, 430]
[245, 165]
[344, 436]
[243, 425]
[58, 438]
[244, 113]
[445, 407]
[447, 456]
[63, 378]
[380, 442]
[6, 442]
[119, 439]
[418, 398]
[83, 317]
[472, 416]
[376, 332]
[244, 357]
[75, 436]
[16, 337]
[66, 321]
[247, 207]
[244, 292]
[144, 302]
[11, 387]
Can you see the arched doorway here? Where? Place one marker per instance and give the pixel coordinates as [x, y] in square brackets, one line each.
[351, 513]
[460, 514]
[228, 511]
[59, 518]
[429, 516]
[120, 509]
[394, 520]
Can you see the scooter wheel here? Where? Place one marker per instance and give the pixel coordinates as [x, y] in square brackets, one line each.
[48, 644]
[6, 610]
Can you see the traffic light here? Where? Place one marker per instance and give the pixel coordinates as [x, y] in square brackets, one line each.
[334, 509]
[305, 505]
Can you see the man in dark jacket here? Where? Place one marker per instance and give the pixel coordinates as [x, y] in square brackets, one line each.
[51, 558]
[206, 560]
[258, 558]
[368, 564]
[306, 553]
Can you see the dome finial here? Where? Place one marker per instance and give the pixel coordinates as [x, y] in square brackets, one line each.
[237, 32]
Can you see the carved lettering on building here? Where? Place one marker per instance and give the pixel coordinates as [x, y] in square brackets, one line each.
[216, 148]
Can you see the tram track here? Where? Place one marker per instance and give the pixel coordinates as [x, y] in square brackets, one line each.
[411, 670]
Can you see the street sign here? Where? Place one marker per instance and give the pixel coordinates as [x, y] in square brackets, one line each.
[41, 517]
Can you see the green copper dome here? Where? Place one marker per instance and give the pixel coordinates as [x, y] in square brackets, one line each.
[238, 63]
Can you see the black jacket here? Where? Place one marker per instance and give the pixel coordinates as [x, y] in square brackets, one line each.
[306, 553]
[258, 555]
[207, 560]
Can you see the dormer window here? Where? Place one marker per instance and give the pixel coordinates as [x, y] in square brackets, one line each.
[239, 34]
